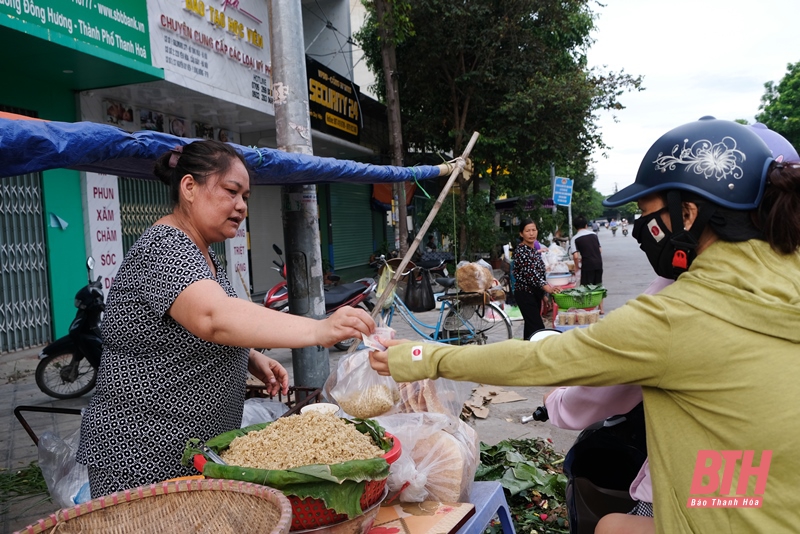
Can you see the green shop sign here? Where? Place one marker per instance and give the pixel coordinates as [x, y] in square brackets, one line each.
[122, 30]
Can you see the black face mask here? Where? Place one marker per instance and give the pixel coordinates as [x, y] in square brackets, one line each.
[655, 241]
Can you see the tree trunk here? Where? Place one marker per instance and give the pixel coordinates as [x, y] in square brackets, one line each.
[386, 32]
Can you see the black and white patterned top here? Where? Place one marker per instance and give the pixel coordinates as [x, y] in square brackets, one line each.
[529, 270]
[159, 385]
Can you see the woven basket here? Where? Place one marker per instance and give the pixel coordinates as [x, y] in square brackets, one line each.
[310, 513]
[212, 506]
[589, 300]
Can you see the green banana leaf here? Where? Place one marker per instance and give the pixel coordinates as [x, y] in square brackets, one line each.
[340, 485]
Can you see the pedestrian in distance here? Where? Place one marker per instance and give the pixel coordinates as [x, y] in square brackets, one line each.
[176, 338]
[715, 352]
[587, 254]
[430, 245]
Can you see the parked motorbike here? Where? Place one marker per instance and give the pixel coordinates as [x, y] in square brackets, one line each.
[356, 294]
[68, 366]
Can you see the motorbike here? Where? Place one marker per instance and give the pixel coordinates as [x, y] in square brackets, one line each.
[601, 465]
[68, 366]
[356, 294]
[614, 231]
[624, 230]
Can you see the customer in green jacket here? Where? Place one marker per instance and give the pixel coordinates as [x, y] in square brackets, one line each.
[717, 353]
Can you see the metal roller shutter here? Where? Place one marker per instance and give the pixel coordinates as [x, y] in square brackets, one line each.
[24, 290]
[351, 223]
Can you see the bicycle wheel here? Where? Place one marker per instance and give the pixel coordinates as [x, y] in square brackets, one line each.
[480, 324]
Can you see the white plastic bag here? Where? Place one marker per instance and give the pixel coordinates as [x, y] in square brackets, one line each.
[439, 459]
[66, 479]
[258, 410]
[359, 390]
[434, 396]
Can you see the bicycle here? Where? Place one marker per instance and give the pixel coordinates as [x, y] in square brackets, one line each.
[464, 318]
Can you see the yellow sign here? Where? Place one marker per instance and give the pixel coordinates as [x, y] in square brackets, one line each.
[340, 123]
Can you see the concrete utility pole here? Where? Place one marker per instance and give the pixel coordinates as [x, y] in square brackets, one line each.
[311, 365]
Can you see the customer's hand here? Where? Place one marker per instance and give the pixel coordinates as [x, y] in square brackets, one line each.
[551, 289]
[379, 360]
[269, 371]
[345, 323]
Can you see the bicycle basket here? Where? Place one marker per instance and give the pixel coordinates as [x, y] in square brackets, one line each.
[387, 273]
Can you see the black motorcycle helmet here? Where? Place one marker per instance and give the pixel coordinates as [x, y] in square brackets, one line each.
[723, 163]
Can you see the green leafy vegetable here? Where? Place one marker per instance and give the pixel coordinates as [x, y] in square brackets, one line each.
[530, 472]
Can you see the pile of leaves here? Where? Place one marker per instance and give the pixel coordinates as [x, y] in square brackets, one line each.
[530, 472]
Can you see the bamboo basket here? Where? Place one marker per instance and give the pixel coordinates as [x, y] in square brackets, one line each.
[199, 506]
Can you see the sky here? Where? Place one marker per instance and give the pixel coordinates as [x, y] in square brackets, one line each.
[697, 58]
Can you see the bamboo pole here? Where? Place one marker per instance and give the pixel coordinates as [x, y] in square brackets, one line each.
[459, 166]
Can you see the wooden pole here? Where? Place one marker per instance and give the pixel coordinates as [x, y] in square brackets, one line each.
[459, 166]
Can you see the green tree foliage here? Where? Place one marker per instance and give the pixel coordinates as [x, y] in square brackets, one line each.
[513, 70]
[780, 105]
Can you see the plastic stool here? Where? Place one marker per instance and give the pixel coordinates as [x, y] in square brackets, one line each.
[489, 501]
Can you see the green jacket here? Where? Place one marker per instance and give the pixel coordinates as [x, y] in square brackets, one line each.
[717, 354]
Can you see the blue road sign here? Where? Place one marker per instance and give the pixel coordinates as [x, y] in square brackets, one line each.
[562, 191]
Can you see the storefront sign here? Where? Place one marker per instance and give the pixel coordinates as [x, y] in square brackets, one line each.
[237, 253]
[104, 228]
[332, 102]
[223, 44]
[122, 30]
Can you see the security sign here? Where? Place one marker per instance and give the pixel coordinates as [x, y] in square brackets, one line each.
[562, 191]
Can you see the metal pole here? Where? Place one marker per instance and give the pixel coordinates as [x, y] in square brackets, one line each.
[311, 365]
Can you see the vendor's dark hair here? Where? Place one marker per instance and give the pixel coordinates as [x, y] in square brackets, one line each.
[778, 214]
[526, 222]
[581, 222]
[201, 159]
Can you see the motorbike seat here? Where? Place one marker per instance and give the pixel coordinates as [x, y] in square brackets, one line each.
[446, 283]
[431, 265]
[337, 295]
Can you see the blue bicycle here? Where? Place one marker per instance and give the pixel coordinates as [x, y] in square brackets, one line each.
[464, 318]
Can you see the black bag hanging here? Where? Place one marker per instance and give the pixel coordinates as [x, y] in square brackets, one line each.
[419, 293]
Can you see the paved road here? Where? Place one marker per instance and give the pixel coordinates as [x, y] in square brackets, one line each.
[626, 274]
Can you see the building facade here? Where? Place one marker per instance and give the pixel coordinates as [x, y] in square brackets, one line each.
[186, 67]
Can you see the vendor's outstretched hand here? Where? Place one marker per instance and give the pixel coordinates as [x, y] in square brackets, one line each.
[269, 371]
[379, 360]
[345, 323]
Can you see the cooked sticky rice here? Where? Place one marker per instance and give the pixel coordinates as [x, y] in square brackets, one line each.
[304, 439]
[371, 402]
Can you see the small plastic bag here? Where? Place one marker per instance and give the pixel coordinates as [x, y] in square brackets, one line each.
[359, 390]
[439, 459]
[66, 479]
[435, 396]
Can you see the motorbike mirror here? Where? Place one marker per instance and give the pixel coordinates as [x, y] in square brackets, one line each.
[90, 263]
[541, 334]
[277, 249]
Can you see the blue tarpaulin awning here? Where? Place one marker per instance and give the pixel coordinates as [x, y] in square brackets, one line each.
[30, 145]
